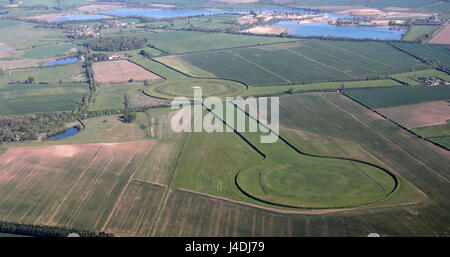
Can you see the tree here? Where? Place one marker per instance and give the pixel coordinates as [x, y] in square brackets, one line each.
[291, 90]
[128, 116]
[30, 80]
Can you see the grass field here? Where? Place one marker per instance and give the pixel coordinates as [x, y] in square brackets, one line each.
[388, 97]
[274, 90]
[411, 77]
[48, 51]
[52, 75]
[437, 133]
[304, 61]
[26, 98]
[186, 87]
[418, 31]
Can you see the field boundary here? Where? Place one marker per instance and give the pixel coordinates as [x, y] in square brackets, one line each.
[393, 121]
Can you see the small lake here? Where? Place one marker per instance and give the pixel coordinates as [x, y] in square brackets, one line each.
[69, 132]
[78, 17]
[62, 61]
[324, 29]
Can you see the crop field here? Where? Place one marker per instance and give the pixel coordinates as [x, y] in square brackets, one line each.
[419, 115]
[26, 98]
[304, 61]
[135, 211]
[388, 97]
[437, 133]
[362, 144]
[121, 71]
[64, 182]
[415, 160]
[201, 41]
[436, 53]
[191, 214]
[442, 37]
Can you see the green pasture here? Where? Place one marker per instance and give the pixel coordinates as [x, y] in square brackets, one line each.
[30, 98]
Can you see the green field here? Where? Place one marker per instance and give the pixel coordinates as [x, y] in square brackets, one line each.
[48, 51]
[274, 90]
[65, 73]
[29, 98]
[186, 87]
[202, 41]
[438, 133]
[304, 61]
[436, 53]
[388, 97]
[411, 77]
[419, 32]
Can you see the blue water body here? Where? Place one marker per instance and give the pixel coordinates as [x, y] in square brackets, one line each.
[78, 17]
[324, 29]
[62, 61]
[67, 133]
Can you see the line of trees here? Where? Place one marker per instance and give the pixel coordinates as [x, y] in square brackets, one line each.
[46, 231]
[112, 44]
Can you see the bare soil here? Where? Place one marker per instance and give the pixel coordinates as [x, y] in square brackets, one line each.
[121, 71]
[419, 115]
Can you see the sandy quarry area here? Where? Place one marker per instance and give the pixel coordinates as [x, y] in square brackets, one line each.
[419, 115]
[266, 30]
[121, 71]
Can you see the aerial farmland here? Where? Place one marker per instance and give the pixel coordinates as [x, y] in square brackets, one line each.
[93, 140]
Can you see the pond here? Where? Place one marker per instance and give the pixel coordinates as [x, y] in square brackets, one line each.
[62, 61]
[78, 17]
[324, 29]
[69, 132]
